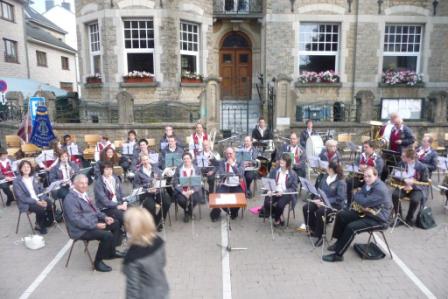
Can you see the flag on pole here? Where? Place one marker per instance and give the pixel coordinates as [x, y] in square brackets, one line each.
[42, 132]
[25, 128]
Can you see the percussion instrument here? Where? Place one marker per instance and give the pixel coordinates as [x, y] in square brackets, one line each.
[314, 146]
[263, 169]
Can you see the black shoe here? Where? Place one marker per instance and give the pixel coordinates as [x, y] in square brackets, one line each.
[118, 254]
[410, 222]
[215, 219]
[8, 203]
[233, 216]
[186, 218]
[102, 267]
[332, 247]
[333, 258]
[41, 230]
[319, 242]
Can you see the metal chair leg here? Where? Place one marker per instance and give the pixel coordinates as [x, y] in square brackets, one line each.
[70, 253]
[31, 224]
[18, 222]
[289, 212]
[387, 244]
[3, 200]
[86, 249]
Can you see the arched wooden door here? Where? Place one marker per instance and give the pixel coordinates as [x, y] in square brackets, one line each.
[235, 67]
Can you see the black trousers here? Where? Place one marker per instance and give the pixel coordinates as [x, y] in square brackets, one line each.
[278, 205]
[188, 204]
[416, 199]
[61, 193]
[250, 176]
[41, 213]
[149, 202]
[352, 183]
[115, 213]
[109, 238]
[215, 213]
[211, 183]
[7, 190]
[126, 162]
[348, 224]
[314, 217]
[300, 171]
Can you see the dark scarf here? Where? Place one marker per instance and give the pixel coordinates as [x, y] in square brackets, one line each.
[136, 252]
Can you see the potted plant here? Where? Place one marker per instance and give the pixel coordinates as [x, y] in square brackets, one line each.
[94, 79]
[138, 77]
[321, 77]
[189, 77]
[395, 77]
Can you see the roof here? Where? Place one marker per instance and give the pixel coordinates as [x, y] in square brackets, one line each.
[36, 33]
[28, 87]
[33, 16]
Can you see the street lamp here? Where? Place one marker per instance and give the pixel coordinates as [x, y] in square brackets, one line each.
[434, 5]
[292, 4]
[380, 2]
[349, 5]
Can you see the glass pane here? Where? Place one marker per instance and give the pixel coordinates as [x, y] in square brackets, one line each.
[227, 58]
[400, 63]
[143, 44]
[235, 41]
[140, 62]
[97, 64]
[317, 63]
[151, 44]
[134, 33]
[127, 34]
[135, 44]
[127, 44]
[244, 58]
[188, 63]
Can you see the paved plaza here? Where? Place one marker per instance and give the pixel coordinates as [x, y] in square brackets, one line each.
[286, 267]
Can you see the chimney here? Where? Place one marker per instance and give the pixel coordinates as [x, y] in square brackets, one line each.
[66, 5]
[49, 4]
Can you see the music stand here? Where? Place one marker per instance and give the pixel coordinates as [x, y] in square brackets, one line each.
[227, 201]
[173, 159]
[243, 156]
[133, 197]
[269, 185]
[310, 189]
[159, 184]
[398, 217]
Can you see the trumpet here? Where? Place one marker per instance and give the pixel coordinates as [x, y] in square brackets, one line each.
[362, 210]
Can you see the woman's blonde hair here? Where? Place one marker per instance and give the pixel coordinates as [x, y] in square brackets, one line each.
[140, 226]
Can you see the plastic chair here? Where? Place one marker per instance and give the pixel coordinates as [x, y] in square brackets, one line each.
[13, 141]
[28, 213]
[29, 149]
[86, 248]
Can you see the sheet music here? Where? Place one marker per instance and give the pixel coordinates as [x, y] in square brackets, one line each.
[323, 164]
[73, 149]
[233, 181]
[46, 155]
[268, 184]
[351, 168]
[201, 161]
[314, 162]
[401, 174]
[224, 199]
[442, 163]
[127, 148]
[159, 183]
[153, 158]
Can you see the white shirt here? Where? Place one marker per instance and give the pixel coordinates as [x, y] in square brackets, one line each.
[29, 186]
[232, 181]
[110, 185]
[261, 131]
[331, 179]
[309, 132]
[65, 168]
[147, 171]
[387, 131]
[188, 171]
[82, 195]
[281, 181]
[410, 173]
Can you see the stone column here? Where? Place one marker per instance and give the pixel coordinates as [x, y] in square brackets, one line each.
[125, 107]
[211, 101]
[364, 102]
[50, 101]
[284, 105]
[15, 98]
[439, 101]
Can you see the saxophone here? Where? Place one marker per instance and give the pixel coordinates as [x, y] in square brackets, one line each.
[400, 184]
[362, 211]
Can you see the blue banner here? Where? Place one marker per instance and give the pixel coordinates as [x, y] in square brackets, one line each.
[42, 132]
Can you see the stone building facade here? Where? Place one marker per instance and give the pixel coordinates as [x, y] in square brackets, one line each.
[235, 43]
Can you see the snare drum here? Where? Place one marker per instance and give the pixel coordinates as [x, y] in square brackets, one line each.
[314, 146]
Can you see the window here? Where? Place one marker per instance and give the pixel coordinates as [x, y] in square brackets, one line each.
[7, 11]
[10, 50]
[189, 47]
[319, 46]
[65, 63]
[41, 58]
[236, 6]
[402, 44]
[139, 45]
[95, 49]
[67, 86]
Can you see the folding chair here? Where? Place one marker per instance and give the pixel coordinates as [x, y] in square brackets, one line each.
[29, 149]
[28, 213]
[381, 232]
[86, 248]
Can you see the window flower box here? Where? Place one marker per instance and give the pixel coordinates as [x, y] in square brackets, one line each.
[401, 78]
[94, 79]
[188, 77]
[138, 77]
[327, 77]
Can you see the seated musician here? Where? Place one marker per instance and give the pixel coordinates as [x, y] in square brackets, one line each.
[249, 175]
[330, 152]
[171, 148]
[307, 133]
[127, 151]
[427, 155]
[413, 172]
[73, 150]
[64, 170]
[7, 174]
[232, 176]
[386, 129]
[151, 199]
[299, 155]
[367, 158]
[108, 193]
[102, 145]
[212, 164]
[286, 181]
[373, 197]
[187, 197]
[334, 186]
[143, 149]
[26, 188]
[261, 131]
[196, 140]
[108, 154]
[169, 132]
[47, 158]
[400, 136]
[86, 222]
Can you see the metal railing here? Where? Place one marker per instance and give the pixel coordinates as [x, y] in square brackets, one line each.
[330, 112]
[237, 7]
[10, 112]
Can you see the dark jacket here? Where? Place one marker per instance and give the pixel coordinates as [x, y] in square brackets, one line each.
[79, 215]
[379, 162]
[291, 183]
[103, 197]
[378, 197]
[238, 169]
[406, 137]
[336, 157]
[22, 194]
[144, 271]
[162, 156]
[336, 192]
[429, 159]
[286, 148]
[176, 180]
[56, 172]
[142, 180]
[304, 137]
[267, 134]
[253, 152]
